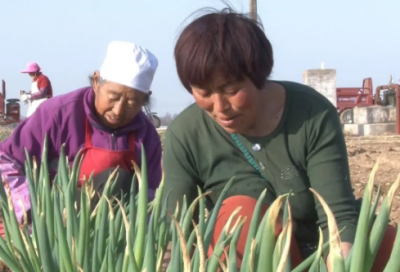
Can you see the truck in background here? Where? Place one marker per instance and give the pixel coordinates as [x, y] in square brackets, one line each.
[350, 97]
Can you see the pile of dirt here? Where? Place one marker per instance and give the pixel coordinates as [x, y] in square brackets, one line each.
[363, 153]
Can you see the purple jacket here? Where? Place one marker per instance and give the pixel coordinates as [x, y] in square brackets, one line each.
[63, 119]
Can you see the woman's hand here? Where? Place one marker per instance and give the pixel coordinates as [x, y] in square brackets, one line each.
[345, 247]
[24, 97]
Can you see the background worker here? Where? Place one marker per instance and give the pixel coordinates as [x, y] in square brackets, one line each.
[41, 88]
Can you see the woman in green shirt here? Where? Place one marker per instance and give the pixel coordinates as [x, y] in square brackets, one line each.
[279, 135]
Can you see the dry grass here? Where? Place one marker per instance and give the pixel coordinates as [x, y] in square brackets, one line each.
[5, 131]
[161, 133]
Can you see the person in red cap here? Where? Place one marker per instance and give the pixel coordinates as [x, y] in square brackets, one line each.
[41, 88]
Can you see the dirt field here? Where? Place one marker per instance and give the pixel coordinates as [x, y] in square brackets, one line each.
[363, 153]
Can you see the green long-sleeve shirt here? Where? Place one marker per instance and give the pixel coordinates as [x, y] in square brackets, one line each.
[307, 149]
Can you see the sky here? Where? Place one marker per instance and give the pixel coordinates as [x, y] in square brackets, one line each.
[68, 39]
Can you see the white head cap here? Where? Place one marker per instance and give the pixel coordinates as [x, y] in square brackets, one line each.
[129, 64]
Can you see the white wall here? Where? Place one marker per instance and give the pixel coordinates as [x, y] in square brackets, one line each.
[323, 80]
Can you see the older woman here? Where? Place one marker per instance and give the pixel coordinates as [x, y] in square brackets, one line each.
[279, 135]
[105, 120]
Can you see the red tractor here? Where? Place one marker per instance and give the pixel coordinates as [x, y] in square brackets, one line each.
[9, 109]
[351, 97]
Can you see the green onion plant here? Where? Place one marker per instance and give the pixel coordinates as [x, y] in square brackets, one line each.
[131, 234]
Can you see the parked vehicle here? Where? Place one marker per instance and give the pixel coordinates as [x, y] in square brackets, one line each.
[9, 108]
[351, 97]
[152, 116]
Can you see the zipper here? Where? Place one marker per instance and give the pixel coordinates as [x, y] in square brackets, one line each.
[113, 143]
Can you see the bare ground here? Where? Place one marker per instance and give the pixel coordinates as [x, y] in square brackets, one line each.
[363, 153]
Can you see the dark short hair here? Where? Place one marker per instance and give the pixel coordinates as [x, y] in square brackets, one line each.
[225, 41]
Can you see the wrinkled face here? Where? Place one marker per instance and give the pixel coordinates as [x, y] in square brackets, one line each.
[233, 104]
[116, 105]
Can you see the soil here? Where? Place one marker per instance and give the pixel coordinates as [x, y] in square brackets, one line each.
[363, 153]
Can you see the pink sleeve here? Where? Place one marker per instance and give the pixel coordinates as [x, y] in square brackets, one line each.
[13, 173]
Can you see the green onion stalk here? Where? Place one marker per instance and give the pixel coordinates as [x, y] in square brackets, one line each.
[132, 234]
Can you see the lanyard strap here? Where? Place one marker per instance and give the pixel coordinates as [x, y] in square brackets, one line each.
[247, 154]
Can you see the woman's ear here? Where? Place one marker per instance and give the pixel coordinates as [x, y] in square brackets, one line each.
[95, 81]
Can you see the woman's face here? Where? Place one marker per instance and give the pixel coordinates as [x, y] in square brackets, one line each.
[232, 104]
[116, 105]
